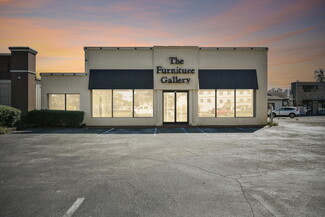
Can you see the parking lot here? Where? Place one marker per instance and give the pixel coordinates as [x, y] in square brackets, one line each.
[236, 171]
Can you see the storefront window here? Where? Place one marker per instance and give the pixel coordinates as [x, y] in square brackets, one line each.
[73, 102]
[226, 103]
[122, 103]
[143, 103]
[321, 107]
[181, 107]
[169, 107]
[56, 102]
[207, 103]
[102, 103]
[244, 103]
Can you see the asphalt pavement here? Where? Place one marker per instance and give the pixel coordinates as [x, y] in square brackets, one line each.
[277, 171]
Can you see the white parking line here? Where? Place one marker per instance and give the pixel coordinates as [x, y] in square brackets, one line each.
[107, 131]
[74, 207]
[155, 133]
[202, 131]
[185, 131]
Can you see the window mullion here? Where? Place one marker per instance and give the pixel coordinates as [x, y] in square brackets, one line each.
[112, 101]
[132, 103]
[235, 103]
[215, 103]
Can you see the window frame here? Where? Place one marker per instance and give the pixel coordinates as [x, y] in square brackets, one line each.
[92, 105]
[112, 103]
[215, 103]
[235, 103]
[153, 103]
[65, 101]
[225, 100]
[65, 104]
[132, 101]
[253, 106]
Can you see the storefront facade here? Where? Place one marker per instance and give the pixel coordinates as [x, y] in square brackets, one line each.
[162, 85]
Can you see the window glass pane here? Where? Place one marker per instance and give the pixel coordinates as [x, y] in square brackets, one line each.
[181, 107]
[56, 102]
[73, 102]
[169, 107]
[244, 103]
[102, 103]
[122, 103]
[207, 103]
[225, 103]
[143, 103]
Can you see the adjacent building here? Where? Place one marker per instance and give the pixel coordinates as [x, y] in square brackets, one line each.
[164, 85]
[310, 95]
[19, 87]
[278, 99]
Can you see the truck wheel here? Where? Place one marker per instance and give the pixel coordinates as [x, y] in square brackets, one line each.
[274, 115]
[292, 115]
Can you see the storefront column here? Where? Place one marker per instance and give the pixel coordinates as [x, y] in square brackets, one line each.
[158, 107]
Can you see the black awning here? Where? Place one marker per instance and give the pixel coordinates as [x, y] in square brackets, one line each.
[121, 79]
[228, 79]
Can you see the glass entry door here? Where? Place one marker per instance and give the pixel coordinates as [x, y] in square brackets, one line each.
[175, 107]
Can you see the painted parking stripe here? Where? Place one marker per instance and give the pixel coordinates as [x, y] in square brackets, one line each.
[107, 131]
[202, 131]
[184, 130]
[74, 207]
[155, 133]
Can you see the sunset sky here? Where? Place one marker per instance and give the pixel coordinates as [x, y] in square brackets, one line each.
[294, 30]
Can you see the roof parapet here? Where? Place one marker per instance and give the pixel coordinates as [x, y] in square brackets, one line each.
[28, 49]
[63, 74]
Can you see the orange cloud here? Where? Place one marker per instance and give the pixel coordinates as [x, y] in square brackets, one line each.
[145, 23]
[60, 45]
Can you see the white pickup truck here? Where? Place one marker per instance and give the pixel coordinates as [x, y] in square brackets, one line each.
[286, 111]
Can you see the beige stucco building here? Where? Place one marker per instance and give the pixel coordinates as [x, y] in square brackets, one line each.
[154, 86]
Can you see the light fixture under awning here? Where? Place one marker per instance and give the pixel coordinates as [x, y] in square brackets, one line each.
[228, 79]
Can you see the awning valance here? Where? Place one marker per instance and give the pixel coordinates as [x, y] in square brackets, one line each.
[121, 79]
[228, 79]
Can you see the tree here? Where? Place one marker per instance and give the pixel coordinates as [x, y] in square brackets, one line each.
[319, 75]
[276, 90]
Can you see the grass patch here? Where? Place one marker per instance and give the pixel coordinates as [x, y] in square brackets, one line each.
[274, 124]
